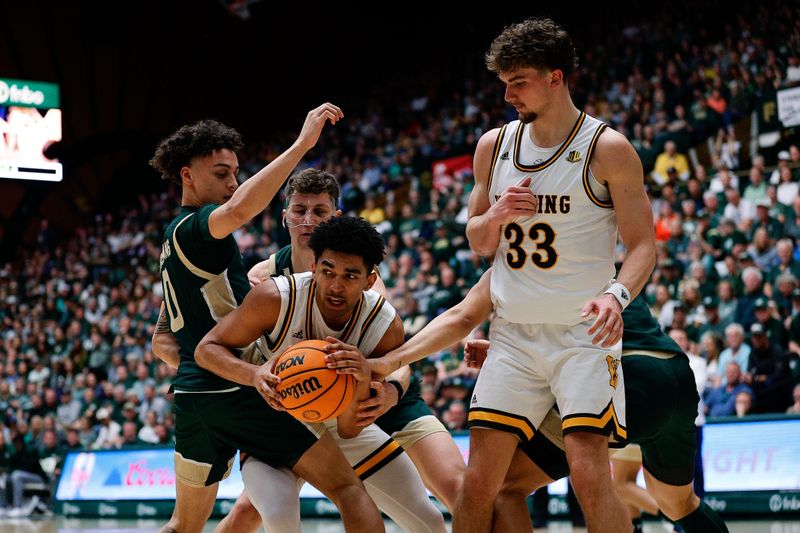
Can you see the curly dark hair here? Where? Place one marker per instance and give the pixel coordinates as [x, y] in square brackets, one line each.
[193, 140]
[348, 235]
[533, 43]
[313, 181]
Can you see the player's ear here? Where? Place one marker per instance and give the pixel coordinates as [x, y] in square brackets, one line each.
[556, 78]
[186, 176]
[371, 279]
[337, 213]
[283, 217]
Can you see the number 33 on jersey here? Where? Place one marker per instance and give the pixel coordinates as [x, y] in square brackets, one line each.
[548, 265]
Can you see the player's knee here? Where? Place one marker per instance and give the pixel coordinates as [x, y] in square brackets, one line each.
[508, 498]
[676, 504]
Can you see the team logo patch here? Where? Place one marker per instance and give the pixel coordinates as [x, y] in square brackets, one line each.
[574, 156]
[613, 365]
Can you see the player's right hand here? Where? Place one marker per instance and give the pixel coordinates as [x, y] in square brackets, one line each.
[475, 352]
[259, 273]
[515, 201]
[315, 121]
[264, 382]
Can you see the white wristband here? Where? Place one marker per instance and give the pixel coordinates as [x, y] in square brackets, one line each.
[621, 293]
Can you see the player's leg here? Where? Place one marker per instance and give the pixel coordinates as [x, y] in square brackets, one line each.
[511, 513]
[491, 452]
[398, 491]
[587, 454]
[243, 518]
[589, 387]
[536, 463]
[681, 504]
[324, 466]
[441, 466]
[275, 496]
[625, 470]
[390, 478]
[193, 506]
[511, 398]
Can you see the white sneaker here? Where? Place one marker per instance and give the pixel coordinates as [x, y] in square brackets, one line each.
[17, 512]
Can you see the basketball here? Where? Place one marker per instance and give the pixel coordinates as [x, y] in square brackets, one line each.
[310, 391]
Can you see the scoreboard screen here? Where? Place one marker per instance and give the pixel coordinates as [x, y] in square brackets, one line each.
[30, 123]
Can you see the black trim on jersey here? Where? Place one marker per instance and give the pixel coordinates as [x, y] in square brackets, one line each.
[553, 158]
[389, 449]
[493, 419]
[287, 320]
[594, 424]
[547, 456]
[608, 204]
[371, 318]
[495, 153]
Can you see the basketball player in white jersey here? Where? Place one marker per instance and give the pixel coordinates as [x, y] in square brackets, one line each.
[552, 190]
[333, 303]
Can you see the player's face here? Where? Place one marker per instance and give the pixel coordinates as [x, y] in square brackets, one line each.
[213, 177]
[341, 278]
[527, 89]
[305, 212]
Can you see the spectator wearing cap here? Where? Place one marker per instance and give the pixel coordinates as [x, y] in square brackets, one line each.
[768, 374]
[745, 308]
[736, 350]
[764, 220]
[711, 319]
[766, 315]
[455, 416]
[722, 400]
[784, 160]
[108, 435]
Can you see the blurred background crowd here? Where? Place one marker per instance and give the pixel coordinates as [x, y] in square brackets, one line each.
[78, 310]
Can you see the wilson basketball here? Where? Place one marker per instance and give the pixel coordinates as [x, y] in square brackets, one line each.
[310, 391]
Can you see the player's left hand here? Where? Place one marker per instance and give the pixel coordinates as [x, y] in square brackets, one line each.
[347, 359]
[370, 409]
[608, 325]
[265, 382]
[475, 352]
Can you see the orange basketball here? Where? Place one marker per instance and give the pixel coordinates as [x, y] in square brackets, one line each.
[310, 391]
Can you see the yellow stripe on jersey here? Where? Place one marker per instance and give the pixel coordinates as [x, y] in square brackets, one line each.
[553, 158]
[311, 291]
[586, 187]
[519, 425]
[495, 154]
[351, 324]
[601, 421]
[372, 316]
[287, 320]
[377, 459]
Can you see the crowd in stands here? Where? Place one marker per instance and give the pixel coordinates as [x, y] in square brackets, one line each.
[78, 311]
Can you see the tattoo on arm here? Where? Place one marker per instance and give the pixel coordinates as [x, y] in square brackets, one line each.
[162, 326]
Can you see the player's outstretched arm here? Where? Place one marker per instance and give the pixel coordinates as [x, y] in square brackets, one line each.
[215, 352]
[447, 328]
[256, 193]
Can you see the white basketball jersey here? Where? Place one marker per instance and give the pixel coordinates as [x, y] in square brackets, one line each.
[300, 318]
[548, 265]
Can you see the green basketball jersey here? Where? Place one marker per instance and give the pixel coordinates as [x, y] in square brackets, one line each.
[283, 262]
[642, 332]
[203, 280]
